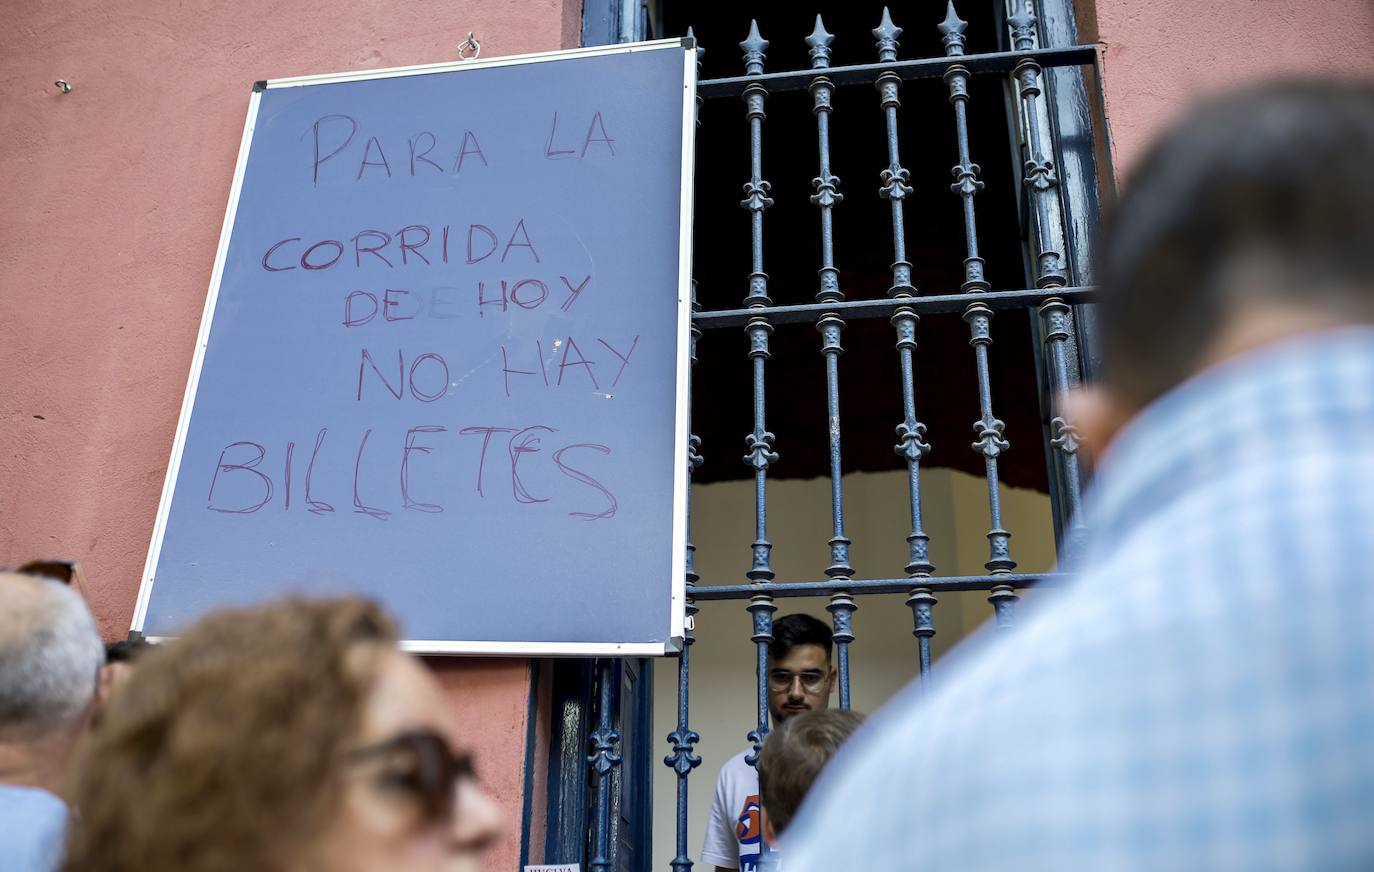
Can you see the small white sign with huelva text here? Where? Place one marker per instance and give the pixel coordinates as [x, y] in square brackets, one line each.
[557, 867]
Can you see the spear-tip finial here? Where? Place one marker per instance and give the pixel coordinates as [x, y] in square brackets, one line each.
[886, 31]
[819, 42]
[754, 43]
[754, 46]
[952, 31]
[952, 20]
[691, 34]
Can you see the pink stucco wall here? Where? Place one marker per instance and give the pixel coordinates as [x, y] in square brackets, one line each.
[111, 201]
[1157, 55]
[112, 196]
[491, 698]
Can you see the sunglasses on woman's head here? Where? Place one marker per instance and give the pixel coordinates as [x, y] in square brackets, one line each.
[424, 766]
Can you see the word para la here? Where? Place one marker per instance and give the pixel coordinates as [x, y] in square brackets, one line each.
[332, 135]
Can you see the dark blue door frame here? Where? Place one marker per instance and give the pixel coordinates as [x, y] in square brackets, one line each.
[577, 747]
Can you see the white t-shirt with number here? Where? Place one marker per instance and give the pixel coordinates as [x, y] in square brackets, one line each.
[734, 834]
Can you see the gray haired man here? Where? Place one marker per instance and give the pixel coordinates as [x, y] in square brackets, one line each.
[51, 682]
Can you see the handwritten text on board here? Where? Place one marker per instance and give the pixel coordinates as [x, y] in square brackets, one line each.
[489, 275]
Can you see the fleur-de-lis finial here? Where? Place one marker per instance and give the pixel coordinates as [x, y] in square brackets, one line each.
[952, 32]
[886, 33]
[682, 760]
[754, 47]
[819, 42]
[603, 757]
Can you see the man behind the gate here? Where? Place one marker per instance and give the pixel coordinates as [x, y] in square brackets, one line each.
[800, 678]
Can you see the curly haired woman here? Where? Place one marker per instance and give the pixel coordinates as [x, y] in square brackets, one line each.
[291, 738]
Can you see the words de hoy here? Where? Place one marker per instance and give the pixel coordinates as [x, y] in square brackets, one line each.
[436, 268]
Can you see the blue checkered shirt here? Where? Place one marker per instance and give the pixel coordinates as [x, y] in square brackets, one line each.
[1201, 697]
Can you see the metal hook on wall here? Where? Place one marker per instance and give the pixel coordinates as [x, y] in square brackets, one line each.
[63, 85]
[469, 45]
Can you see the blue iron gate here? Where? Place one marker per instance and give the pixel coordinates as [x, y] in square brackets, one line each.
[601, 729]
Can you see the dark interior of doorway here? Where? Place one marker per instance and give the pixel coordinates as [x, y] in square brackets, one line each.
[870, 386]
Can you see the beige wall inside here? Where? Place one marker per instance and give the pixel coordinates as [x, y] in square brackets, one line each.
[883, 656]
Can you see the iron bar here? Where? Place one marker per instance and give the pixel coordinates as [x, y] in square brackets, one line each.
[694, 458]
[1042, 180]
[1057, 320]
[894, 187]
[869, 586]
[683, 759]
[965, 172]
[924, 68]
[684, 739]
[827, 196]
[842, 608]
[978, 316]
[930, 304]
[991, 445]
[761, 609]
[911, 446]
[603, 760]
[911, 443]
[1040, 175]
[691, 34]
[922, 600]
[760, 441]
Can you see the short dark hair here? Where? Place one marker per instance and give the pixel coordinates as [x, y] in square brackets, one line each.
[794, 754]
[126, 650]
[1274, 181]
[791, 631]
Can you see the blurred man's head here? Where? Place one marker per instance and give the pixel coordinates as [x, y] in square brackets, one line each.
[50, 672]
[792, 757]
[800, 676]
[1250, 220]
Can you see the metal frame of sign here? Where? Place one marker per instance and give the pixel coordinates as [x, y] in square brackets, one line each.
[679, 508]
